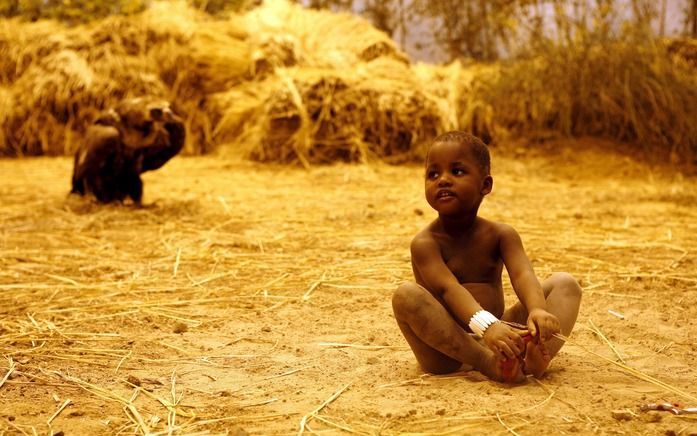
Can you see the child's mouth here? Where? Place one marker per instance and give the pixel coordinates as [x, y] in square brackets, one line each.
[444, 194]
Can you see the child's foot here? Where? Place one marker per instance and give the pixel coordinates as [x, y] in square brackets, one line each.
[536, 359]
[512, 370]
[502, 370]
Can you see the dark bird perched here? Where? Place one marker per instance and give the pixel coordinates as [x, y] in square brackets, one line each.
[138, 135]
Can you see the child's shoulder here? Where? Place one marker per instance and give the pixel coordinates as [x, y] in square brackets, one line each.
[488, 225]
[425, 246]
[498, 231]
[425, 234]
[433, 233]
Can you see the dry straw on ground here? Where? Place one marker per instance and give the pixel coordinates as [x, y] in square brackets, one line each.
[248, 297]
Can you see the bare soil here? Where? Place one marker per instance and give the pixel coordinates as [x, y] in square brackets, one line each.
[250, 299]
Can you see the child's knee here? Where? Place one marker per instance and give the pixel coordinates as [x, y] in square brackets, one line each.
[406, 298]
[566, 283]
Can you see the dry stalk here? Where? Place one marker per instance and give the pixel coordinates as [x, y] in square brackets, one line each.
[617, 314]
[214, 277]
[467, 428]
[313, 286]
[172, 415]
[284, 374]
[175, 269]
[11, 367]
[615, 294]
[259, 403]
[602, 336]
[309, 416]
[162, 312]
[419, 380]
[64, 279]
[57, 412]
[509, 429]
[345, 428]
[123, 359]
[134, 415]
[632, 371]
[548, 390]
[19, 429]
[165, 402]
[93, 389]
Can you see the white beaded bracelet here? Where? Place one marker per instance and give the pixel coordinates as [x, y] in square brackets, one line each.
[481, 321]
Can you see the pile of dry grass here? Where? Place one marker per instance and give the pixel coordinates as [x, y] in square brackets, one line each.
[281, 83]
[59, 78]
[286, 84]
[630, 90]
[462, 91]
[328, 87]
[682, 50]
[285, 34]
[627, 90]
[375, 110]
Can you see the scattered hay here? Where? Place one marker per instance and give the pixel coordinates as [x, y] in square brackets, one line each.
[89, 296]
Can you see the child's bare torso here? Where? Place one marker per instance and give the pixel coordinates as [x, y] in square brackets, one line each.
[474, 258]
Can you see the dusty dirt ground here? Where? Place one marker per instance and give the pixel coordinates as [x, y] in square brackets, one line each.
[250, 298]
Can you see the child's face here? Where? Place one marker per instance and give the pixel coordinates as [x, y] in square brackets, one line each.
[455, 184]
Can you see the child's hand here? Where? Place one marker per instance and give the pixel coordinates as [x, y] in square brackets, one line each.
[542, 325]
[504, 340]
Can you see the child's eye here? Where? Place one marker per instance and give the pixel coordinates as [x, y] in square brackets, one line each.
[458, 171]
[432, 174]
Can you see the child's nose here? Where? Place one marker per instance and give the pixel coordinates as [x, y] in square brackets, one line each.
[444, 180]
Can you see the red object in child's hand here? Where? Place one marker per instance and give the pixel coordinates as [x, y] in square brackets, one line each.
[509, 367]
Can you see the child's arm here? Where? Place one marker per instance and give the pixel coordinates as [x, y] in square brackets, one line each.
[526, 285]
[441, 282]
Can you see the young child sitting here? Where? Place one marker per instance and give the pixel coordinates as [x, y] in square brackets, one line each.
[454, 313]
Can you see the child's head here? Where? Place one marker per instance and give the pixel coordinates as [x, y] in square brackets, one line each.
[479, 150]
[457, 174]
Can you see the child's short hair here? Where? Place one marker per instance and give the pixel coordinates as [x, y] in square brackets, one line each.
[479, 149]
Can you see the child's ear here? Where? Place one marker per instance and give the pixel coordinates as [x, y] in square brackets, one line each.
[487, 185]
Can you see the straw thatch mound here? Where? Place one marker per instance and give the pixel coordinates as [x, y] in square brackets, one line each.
[286, 84]
[375, 110]
[280, 83]
[61, 78]
[463, 91]
[328, 87]
[285, 34]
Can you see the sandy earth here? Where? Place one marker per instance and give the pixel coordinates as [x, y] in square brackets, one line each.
[249, 299]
